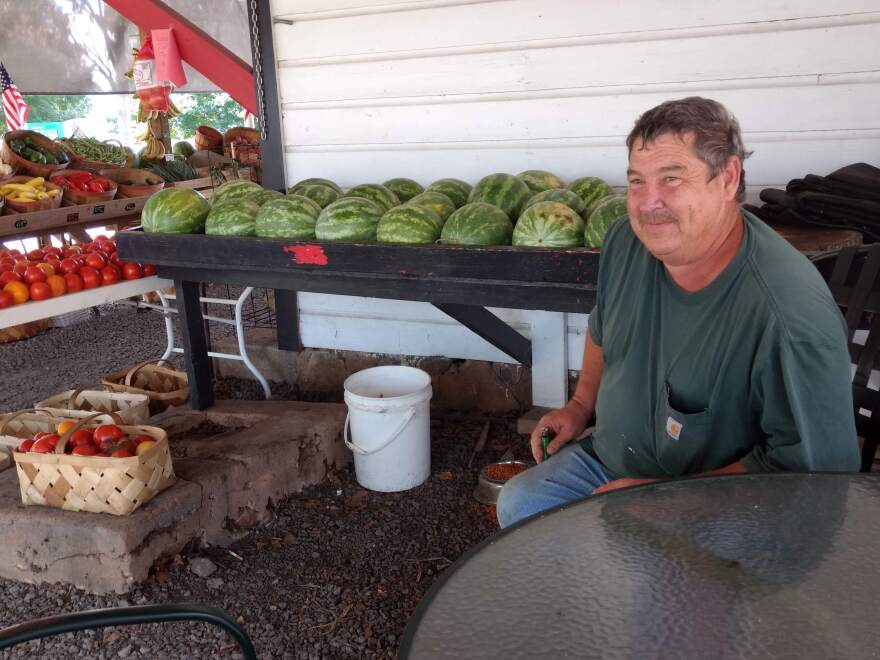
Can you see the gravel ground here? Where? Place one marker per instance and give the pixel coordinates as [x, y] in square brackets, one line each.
[337, 571]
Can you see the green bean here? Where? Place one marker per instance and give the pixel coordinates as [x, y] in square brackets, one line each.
[92, 149]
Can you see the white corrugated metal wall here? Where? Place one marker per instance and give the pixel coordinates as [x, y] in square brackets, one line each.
[373, 89]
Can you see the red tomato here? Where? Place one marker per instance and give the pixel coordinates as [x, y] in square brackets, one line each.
[121, 453]
[110, 275]
[6, 265]
[74, 282]
[33, 274]
[55, 263]
[46, 267]
[6, 299]
[149, 270]
[85, 450]
[43, 446]
[14, 253]
[51, 250]
[101, 237]
[96, 261]
[9, 276]
[68, 265]
[80, 437]
[106, 246]
[25, 445]
[131, 271]
[90, 277]
[21, 265]
[115, 260]
[40, 291]
[108, 432]
[142, 438]
[71, 249]
[35, 255]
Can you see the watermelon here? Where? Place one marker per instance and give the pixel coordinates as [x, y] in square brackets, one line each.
[455, 189]
[234, 190]
[477, 223]
[602, 216]
[380, 195]
[563, 196]
[312, 182]
[437, 202]
[232, 218]
[502, 190]
[264, 196]
[349, 219]
[175, 211]
[409, 223]
[182, 148]
[590, 189]
[290, 217]
[549, 224]
[320, 194]
[405, 189]
[539, 180]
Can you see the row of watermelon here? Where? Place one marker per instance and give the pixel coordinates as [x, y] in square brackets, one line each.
[530, 209]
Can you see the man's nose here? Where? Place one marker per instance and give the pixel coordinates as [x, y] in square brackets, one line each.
[649, 198]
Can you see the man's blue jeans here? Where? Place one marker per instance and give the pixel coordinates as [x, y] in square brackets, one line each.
[568, 475]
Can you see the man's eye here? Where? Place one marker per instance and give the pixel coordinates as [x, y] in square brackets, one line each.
[635, 182]
[674, 180]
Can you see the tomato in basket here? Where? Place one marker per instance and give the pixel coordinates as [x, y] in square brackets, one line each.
[109, 432]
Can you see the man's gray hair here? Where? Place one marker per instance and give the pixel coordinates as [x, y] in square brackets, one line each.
[716, 132]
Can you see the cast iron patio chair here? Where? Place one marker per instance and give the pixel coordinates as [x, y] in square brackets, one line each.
[852, 276]
[126, 616]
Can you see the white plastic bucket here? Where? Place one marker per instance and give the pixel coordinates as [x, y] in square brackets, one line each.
[389, 424]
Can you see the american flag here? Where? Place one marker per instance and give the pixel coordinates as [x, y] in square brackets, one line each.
[14, 107]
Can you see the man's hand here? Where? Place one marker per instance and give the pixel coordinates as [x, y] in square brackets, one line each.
[621, 483]
[565, 423]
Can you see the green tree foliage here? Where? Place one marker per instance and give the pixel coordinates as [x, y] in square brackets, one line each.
[214, 110]
[47, 107]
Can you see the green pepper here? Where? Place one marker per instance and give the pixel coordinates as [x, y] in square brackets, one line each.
[49, 156]
[17, 146]
[62, 157]
[33, 155]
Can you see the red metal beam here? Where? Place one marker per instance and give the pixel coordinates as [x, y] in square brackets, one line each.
[206, 55]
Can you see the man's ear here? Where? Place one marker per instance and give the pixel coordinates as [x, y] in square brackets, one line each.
[730, 177]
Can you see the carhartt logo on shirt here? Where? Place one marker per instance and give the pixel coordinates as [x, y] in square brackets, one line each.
[673, 428]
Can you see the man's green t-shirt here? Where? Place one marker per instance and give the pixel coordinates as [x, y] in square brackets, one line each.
[752, 368]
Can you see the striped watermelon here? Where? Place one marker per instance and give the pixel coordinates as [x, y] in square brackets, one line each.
[379, 195]
[290, 217]
[549, 224]
[502, 190]
[234, 190]
[563, 196]
[264, 196]
[477, 223]
[455, 189]
[232, 218]
[349, 219]
[313, 182]
[175, 211]
[590, 189]
[540, 180]
[405, 189]
[437, 202]
[602, 216]
[409, 223]
[320, 194]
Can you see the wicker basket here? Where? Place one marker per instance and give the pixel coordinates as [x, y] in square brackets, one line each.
[23, 331]
[164, 386]
[93, 483]
[131, 408]
[52, 202]
[81, 163]
[21, 164]
[82, 197]
[209, 139]
[24, 424]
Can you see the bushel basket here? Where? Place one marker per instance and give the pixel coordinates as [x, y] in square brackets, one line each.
[93, 483]
[131, 408]
[165, 386]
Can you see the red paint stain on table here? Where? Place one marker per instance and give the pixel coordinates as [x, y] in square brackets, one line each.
[307, 255]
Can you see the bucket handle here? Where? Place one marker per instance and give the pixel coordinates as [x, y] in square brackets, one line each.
[363, 452]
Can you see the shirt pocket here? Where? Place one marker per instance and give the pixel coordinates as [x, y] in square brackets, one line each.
[682, 438]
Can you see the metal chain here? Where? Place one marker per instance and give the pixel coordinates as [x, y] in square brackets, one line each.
[258, 68]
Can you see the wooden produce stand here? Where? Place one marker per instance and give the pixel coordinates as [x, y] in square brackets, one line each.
[459, 281]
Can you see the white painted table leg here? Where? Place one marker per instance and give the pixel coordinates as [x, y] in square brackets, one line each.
[549, 359]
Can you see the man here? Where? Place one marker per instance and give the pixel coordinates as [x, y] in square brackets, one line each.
[714, 346]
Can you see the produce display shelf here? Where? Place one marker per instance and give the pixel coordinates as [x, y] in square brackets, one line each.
[22, 224]
[43, 309]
